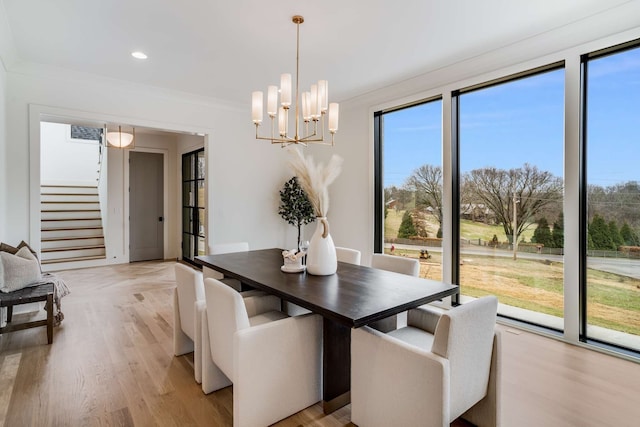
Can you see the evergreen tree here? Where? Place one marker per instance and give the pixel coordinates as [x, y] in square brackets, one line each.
[599, 234]
[558, 232]
[295, 207]
[629, 236]
[542, 233]
[615, 234]
[407, 228]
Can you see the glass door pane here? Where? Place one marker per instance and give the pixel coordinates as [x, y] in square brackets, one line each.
[511, 178]
[613, 199]
[412, 182]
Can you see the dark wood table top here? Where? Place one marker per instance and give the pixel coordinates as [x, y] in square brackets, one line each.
[355, 296]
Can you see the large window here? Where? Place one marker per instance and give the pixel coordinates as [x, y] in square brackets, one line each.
[513, 144]
[511, 191]
[613, 198]
[410, 143]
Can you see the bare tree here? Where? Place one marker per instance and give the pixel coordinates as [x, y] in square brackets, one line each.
[427, 184]
[533, 189]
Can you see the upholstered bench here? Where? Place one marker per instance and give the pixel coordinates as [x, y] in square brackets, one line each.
[43, 292]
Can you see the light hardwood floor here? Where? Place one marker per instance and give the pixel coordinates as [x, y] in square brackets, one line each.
[111, 364]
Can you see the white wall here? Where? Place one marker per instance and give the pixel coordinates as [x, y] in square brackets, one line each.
[65, 161]
[246, 174]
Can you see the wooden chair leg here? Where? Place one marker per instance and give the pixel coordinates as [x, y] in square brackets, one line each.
[49, 318]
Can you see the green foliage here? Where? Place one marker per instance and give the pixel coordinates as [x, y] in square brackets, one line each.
[407, 228]
[615, 234]
[599, 234]
[629, 236]
[558, 232]
[295, 207]
[542, 234]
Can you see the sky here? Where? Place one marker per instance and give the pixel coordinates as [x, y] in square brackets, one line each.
[522, 121]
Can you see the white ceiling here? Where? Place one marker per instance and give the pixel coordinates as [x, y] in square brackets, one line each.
[226, 49]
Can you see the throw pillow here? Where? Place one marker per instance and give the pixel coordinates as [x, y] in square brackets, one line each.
[24, 244]
[18, 271]
[8, 248]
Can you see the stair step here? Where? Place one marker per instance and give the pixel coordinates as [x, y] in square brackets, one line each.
[84, 258]
[51, 215]
[71, 232]
[68, 242]
[62, 197]
[73, 252]
[69, 206]
[70, 228]
[70, 223]
[72, 248]
[69, 219]
[74, 189]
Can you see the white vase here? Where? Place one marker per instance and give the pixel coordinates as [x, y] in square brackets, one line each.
[321, 255]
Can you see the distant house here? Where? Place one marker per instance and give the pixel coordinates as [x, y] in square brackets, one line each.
[478, 212]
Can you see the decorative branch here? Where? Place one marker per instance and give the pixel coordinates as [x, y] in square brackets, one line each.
[315, 178]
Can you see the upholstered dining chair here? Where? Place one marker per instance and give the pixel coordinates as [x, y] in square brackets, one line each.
[443, 365]
[352, 256]
[225, 248]
[397, 264]
[273, 361]
[188, 304]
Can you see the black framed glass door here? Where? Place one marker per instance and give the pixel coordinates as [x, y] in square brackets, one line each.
[193, 205]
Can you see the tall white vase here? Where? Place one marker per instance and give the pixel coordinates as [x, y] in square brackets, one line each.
[321, 255]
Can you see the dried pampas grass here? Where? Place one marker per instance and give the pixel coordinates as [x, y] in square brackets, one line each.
[315, 178]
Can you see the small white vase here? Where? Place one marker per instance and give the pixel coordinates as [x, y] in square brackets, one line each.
[321, 256]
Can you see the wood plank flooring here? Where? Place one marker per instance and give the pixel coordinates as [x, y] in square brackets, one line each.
[111, 364]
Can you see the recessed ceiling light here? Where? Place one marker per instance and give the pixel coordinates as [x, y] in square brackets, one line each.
[139, 55]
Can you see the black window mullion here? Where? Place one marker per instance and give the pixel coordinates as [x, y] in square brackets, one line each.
[583, 213]
[378, 216]
[455, 193]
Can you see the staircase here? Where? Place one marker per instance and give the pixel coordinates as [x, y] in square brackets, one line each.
[71, 224]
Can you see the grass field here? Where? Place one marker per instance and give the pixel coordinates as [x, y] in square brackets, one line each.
[468, 229]
[613, 299]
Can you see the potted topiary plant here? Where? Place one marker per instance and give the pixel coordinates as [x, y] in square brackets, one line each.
[295, 207]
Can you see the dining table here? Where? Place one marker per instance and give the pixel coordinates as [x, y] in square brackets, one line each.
[353, 297]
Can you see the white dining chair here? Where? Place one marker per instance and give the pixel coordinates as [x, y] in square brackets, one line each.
[188, 304]
[443, 365]
[397, 264]
[272, 360]
[225, 248]
[351, 256]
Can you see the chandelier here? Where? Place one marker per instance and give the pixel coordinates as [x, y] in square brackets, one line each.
[315, 106]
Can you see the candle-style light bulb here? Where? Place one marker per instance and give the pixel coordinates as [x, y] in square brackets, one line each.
[272, 100]
[333, 117]
[256, 107]
[282, 121]
[285, 90]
